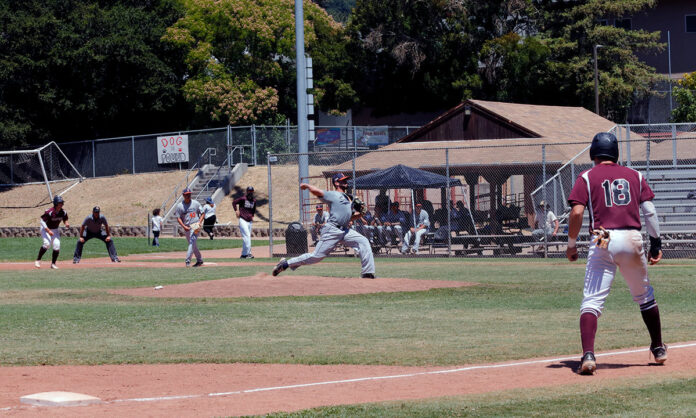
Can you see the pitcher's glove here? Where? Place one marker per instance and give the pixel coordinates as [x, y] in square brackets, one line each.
[359, 206]
[196, 228]
[601, 237]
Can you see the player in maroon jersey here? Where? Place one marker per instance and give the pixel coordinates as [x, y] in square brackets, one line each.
[614, 196]
[50, 231]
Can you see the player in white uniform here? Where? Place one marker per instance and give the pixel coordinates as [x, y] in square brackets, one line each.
[614, 195]
[422, 225]
[50, 231]
[189, 216]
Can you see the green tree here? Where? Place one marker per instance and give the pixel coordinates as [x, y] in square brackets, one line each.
[412, 55]
[72, 69]
[685, 96]
[571, 29]
[240, 58]
[338, 9]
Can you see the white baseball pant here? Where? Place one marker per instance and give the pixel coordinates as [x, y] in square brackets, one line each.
[49, 240]
[626, 252]
[245, 229]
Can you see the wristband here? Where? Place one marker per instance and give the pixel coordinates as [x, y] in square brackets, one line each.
[572, 242]
[655, 246]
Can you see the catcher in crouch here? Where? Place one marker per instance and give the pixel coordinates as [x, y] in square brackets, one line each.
[342, 210]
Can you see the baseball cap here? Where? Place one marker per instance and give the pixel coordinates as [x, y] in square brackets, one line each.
[418, 205]
[320, 207]
[394, 204]
[339, 177]
[186, 191]
[208, 200]
[96, 209]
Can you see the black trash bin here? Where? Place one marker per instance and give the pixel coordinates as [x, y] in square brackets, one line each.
[296, 239]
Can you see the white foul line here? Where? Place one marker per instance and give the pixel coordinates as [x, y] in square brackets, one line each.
[397, 376]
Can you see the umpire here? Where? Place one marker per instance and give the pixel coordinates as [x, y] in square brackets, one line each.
[92, 228]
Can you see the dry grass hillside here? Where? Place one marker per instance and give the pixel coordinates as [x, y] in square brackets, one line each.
[127, 199]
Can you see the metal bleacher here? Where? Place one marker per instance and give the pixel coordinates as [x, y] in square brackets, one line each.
[672, 186]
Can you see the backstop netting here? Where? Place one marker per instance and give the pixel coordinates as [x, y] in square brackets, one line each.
[42, 173]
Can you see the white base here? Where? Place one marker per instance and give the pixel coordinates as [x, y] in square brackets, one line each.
[59, 399]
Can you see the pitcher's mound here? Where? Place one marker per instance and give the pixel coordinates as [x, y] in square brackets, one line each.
[263, 284]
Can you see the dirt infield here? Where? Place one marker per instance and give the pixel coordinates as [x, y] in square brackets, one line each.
[241, 389]
[263, 284]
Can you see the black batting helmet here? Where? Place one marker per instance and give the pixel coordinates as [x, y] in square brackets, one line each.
[605, 144]
[56, 200]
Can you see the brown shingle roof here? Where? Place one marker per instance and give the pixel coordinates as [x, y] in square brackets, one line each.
[564, 123]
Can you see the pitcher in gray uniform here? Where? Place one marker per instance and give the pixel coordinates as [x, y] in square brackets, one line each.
[335, 231]
[190, 215]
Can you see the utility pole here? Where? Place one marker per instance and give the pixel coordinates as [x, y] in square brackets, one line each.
[302, 131]
[596, 79]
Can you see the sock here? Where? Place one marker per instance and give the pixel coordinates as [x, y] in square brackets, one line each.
[588, 330]
[651, 317]
[54, 257]
[42, 251]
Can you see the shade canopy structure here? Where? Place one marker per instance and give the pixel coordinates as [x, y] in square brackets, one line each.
[403, 177]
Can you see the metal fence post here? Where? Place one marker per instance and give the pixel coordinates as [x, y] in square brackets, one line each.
[11, 169]
[674, 145]
[628, 145]
[543, 196]
[94, 165]
[447, 204]
[270, 207]
[229, 154]
[253, 144]
[133, 152]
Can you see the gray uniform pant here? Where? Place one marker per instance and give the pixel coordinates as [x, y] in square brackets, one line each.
[110, 247]
[331, 236]
[192, 246]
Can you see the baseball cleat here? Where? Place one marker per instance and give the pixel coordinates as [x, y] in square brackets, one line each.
[54, 267]
[367, 276]
[250, 256]
[280, 267]
[37, 264]
[660, 353]
[198, 264]
[188, 264]
[588, 364]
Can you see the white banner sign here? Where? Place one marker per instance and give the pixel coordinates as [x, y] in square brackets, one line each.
[374, 135]
[172, 149]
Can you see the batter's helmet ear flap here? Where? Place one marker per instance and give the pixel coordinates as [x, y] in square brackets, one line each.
[605, 144]
[57, 199]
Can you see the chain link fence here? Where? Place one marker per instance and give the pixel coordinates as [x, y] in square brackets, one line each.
[487, 200]
[246, 144]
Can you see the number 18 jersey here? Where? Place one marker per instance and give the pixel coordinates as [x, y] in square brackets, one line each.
[612, 194]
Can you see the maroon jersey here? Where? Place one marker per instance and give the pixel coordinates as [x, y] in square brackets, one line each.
[52, 217]
[247, 208]
[612, 194]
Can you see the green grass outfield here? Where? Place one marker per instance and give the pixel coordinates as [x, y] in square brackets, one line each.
[26, 249]
[519, 309]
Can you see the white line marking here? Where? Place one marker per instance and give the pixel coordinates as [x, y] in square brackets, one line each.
[398, 376]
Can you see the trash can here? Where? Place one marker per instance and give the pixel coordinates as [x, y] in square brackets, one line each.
[296, 239]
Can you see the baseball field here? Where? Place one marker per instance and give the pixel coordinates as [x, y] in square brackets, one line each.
[428, 337]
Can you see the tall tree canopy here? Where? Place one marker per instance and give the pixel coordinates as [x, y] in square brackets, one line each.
[412, 55]
[571, 29]
[72, 69]
[419, 55]
[240, 56]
